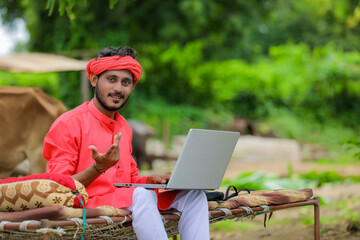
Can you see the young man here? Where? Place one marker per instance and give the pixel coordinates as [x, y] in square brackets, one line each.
[92, 143]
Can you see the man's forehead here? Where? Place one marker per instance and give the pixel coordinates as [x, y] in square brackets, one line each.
[118, 73]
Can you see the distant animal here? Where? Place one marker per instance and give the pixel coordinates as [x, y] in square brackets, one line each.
[26, 115]
[141, 133]
[243, 126]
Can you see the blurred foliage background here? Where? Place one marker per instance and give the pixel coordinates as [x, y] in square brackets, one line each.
[292, 66]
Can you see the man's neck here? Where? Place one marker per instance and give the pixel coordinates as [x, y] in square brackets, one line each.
[108, 113]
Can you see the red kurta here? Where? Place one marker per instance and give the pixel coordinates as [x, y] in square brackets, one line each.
[66, 149]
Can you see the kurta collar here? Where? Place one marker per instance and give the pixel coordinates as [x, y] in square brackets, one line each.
[108, 122]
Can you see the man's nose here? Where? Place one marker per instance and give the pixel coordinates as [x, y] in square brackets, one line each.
[118, 87]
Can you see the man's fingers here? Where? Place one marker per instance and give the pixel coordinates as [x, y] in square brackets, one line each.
[166, 177]
[92, 147]
[117, 139]
[113, 149]
[163, 178]
[94, 151]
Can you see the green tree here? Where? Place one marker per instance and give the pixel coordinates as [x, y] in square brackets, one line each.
[228, 29]
[246, 56]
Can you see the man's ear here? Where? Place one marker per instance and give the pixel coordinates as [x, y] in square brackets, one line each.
[93, 79]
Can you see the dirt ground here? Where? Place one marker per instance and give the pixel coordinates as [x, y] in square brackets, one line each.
[293, 232]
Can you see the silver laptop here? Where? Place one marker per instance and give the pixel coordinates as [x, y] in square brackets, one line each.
[202, 162]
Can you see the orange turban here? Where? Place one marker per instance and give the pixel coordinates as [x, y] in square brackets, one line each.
[102, 64]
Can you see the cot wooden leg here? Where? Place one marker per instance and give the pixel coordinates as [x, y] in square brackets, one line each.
[45, 224]
[317, 220]
[46, 236]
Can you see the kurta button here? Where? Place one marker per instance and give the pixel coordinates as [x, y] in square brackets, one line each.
[111, 122]
[118, 167]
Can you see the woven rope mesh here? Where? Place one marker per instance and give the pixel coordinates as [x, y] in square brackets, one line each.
[104, 231]
[92, 232]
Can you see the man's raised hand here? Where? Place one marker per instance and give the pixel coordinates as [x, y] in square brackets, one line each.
[104, 161]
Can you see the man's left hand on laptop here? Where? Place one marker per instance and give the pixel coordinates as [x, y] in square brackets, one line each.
[158, 179]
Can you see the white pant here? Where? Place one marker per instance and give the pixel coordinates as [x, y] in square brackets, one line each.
[147, 222]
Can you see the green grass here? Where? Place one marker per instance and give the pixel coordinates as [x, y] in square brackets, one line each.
[304, 128]
[312, 179]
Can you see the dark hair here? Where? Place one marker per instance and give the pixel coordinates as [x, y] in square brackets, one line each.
[120, 51]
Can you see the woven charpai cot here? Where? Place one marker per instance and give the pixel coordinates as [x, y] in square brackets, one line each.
[106, 222]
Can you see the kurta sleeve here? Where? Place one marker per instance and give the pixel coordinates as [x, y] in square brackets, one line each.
[61, 148]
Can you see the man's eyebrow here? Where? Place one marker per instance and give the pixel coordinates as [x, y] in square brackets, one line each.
[112, 75]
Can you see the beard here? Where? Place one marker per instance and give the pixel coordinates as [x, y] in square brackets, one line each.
[103, 103]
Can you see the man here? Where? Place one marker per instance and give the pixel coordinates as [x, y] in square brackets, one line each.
[92, 143]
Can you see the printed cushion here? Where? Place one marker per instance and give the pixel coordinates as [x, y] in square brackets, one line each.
[40, 190]
[264, 197]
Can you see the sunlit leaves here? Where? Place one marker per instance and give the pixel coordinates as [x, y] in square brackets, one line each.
[112, 3]
[352, 144]
[64, 5]
[353, 21]
[50, 6]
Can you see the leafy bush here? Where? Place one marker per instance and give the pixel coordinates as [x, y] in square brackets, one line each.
[261, 181]
[322, 82]
[323, 178]
[64, 86]
[48, 82]
[179, 118]
[352, 144]
[296, 88]
[312, 179]
[70, 89]
[304, 127]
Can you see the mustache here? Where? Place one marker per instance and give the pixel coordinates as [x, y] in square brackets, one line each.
[115, 94]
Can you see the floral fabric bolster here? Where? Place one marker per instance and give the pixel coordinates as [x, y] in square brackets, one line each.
[40, 190]
[102, 64]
